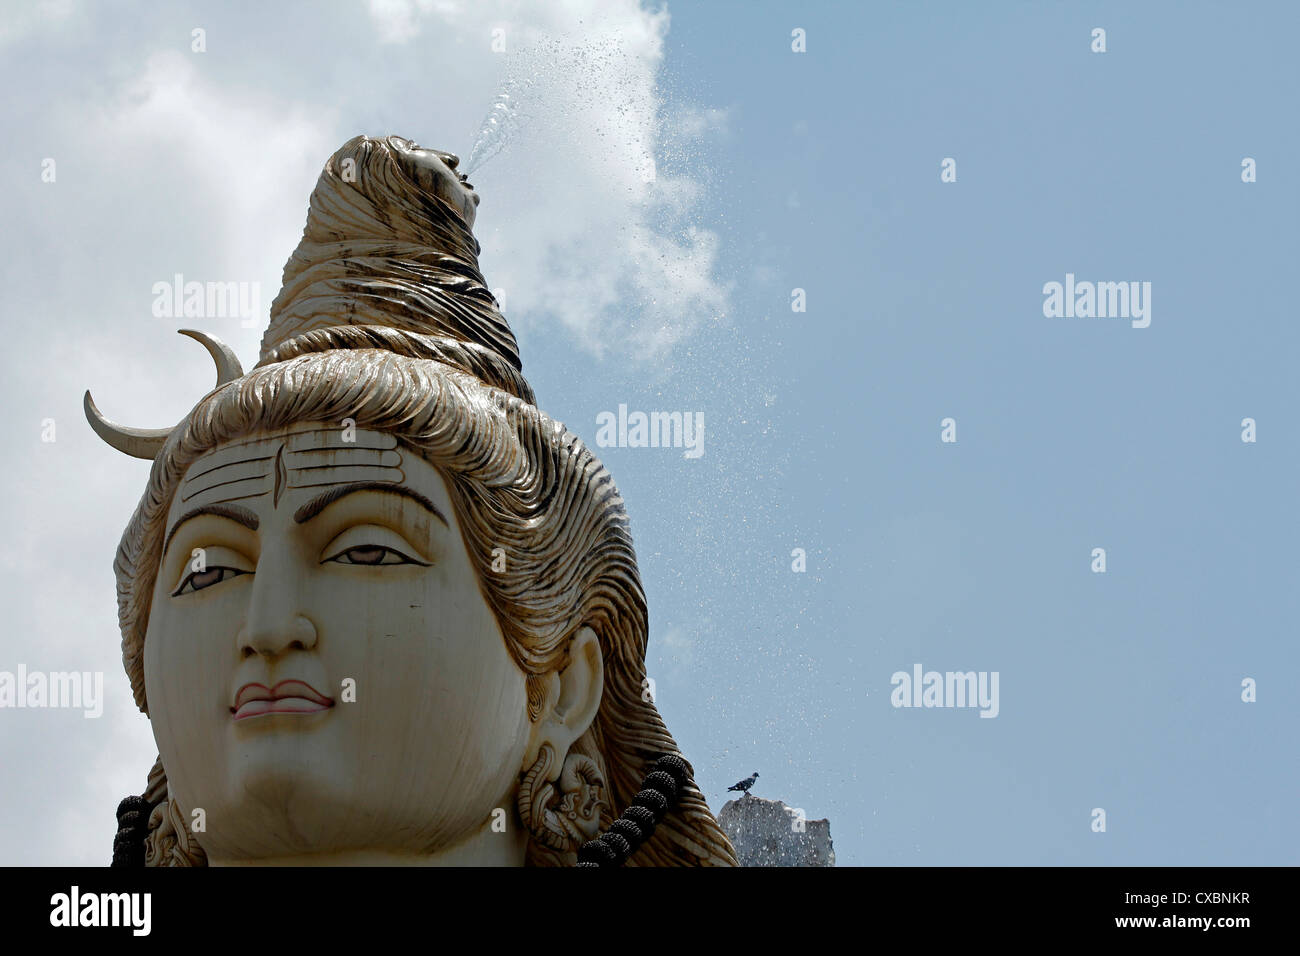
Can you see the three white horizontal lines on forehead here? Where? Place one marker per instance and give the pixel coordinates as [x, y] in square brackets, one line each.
[318, 457]
[306, 458]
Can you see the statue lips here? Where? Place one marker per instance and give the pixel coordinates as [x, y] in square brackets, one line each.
[286, 697]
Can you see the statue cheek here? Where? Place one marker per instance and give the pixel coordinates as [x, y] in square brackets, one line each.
[158, 690]
[188, 667]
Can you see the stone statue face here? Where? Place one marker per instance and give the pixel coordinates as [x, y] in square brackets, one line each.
[327, 563]
[435, 171]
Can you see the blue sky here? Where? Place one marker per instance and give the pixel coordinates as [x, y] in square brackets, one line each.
[776, 170]
[1119, 691]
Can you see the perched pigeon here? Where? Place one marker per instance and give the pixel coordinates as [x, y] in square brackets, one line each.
[746, 783]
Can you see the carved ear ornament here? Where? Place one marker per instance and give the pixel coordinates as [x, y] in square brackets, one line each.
[562, 817]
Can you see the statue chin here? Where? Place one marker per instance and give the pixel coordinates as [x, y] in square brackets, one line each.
[299, 813]
[297, 793]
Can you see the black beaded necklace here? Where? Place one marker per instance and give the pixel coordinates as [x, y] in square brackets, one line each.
[657, 796]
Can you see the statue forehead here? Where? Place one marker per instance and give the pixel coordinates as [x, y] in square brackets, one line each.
[310, 455]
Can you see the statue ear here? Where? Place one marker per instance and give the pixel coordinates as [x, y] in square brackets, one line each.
[572, 697]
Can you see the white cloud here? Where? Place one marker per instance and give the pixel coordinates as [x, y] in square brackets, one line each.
[678, 650]
[591, 214]
[20, 20]
[398, 21]
[241, 161]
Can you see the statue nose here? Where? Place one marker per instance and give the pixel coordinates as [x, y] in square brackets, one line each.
[271, 638]
[274, 621]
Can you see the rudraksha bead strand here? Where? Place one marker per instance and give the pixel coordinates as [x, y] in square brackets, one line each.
[659, 793]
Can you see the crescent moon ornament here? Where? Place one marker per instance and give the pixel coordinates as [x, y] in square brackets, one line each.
[147, 442]
[228, 367]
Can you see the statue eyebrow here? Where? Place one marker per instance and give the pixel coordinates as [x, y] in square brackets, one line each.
[233, 512]
[318, 504]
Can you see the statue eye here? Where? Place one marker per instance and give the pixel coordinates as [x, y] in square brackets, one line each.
[205, 579]
[372, 555]
[371, 545]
